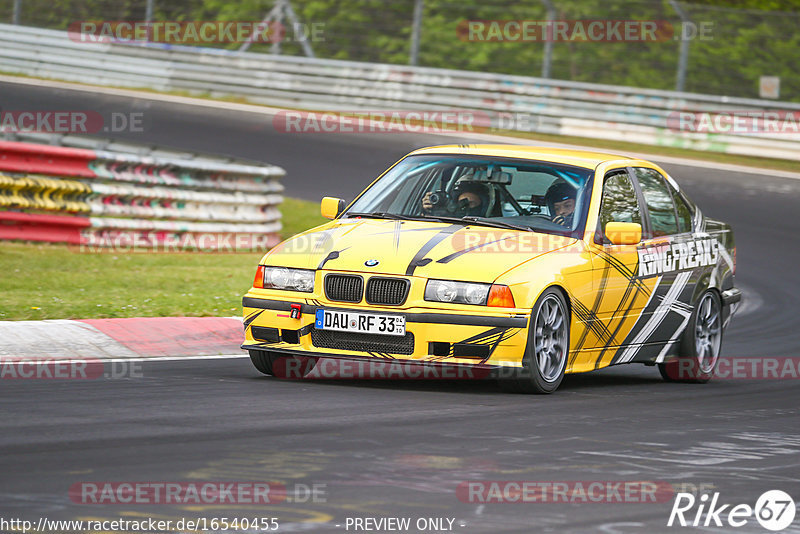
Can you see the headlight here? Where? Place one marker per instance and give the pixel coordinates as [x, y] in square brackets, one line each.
[289, 279]
[457, 292]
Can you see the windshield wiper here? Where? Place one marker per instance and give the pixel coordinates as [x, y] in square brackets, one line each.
[383, 215]
[485, 221]
[481, 221]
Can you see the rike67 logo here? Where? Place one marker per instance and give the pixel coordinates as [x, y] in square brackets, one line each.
[774, 510]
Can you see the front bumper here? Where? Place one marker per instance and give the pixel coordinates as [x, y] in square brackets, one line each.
[433, 335]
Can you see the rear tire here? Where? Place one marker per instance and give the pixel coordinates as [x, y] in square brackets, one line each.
[701, 344]
[547, 351]
[280, 366]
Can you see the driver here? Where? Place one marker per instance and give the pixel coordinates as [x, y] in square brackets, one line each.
[560, 198]
[472, 198]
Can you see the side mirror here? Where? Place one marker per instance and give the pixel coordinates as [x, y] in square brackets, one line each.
[331, 207]
[622, 233]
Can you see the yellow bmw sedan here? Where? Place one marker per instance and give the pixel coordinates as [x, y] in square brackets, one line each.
[523, 263]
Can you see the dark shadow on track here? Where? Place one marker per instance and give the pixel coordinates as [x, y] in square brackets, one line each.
[603, 379]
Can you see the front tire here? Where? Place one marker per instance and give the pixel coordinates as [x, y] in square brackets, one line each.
[280, 366]
[700, 346]
[547, 351]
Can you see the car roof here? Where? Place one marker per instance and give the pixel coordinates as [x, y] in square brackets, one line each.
[578, 158]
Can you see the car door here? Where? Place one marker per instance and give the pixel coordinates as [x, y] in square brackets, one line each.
[666, 259]
[620, 296]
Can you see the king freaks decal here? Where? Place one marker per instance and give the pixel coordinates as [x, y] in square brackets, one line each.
[668, 257]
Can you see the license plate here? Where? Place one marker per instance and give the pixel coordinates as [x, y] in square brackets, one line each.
[361, 323]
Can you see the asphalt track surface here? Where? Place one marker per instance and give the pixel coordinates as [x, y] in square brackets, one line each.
[401, 448]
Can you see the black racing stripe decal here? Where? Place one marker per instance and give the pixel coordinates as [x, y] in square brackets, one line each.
[617, 329]
[331, 256]
[669, 323]
[628, 294]
[593, 324]
[499, 340]
[619, 266]
[616, 263]
[427, 247]
[484, 337]
[492, 337]
[454, 255]
[621, 321]
[633, 283]
[591, 315]
[250, 318]
[606, 337]
[623, 270]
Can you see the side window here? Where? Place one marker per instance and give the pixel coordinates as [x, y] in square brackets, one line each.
[619, 202]
[684, 213]
[663, 220]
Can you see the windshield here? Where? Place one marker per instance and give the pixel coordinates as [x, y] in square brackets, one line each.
[524, 194]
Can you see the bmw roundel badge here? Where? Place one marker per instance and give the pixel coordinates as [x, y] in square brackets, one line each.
[371, 263]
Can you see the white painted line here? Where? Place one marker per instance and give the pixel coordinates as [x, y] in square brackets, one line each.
[271, 111]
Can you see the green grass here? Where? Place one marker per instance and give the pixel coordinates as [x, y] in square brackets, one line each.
[298, 215]
[44, 281]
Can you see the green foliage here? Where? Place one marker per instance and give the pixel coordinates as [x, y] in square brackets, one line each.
[743, 42]
[748, 38]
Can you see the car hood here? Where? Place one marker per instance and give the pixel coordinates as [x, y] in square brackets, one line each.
[418, 248]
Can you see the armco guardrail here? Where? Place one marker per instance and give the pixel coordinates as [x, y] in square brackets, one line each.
[548, 106]
[126, 196]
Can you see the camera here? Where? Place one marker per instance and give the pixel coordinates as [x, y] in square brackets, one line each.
[438, 198]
